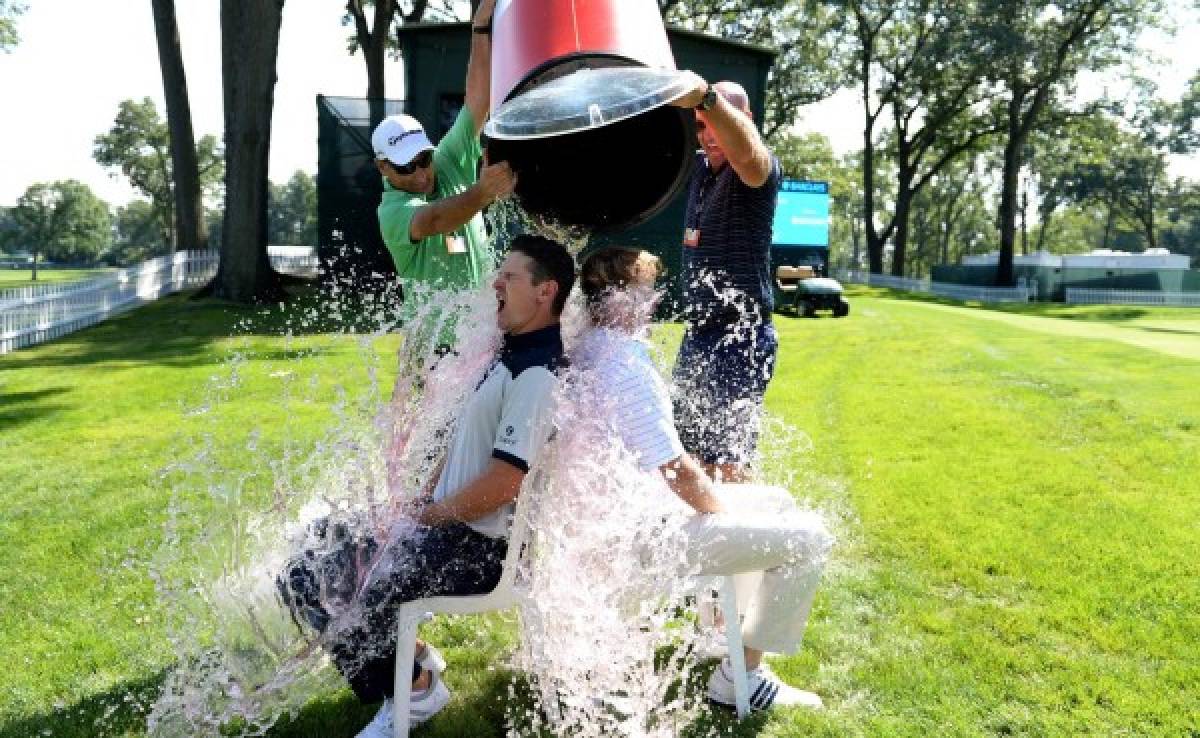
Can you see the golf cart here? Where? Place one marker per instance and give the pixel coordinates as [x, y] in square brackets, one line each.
[804, 293]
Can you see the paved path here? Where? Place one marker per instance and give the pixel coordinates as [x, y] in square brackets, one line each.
[1179, 338]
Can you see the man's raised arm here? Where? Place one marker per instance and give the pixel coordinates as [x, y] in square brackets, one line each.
[733, 124]
[479, 66]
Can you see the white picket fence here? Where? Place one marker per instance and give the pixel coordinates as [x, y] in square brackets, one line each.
[1088, 296]
[1023, 292]
[31, 315]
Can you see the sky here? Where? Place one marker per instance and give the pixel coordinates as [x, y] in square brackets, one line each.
[78, 59]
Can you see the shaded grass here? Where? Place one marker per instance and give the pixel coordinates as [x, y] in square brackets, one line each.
[1018, 519]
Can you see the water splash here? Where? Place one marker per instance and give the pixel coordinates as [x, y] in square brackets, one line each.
[602, 625]
[607, 633]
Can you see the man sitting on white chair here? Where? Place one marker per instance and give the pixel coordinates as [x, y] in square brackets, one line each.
[458, 543]
[789, 549]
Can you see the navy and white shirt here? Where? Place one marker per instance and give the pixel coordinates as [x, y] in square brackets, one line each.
[733, 255]
[509, 417]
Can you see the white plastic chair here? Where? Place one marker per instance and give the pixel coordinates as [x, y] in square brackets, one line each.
[727, 599]
[504, 596]
[411, 614]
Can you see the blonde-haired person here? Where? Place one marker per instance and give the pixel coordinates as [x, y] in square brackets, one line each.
[789, 550]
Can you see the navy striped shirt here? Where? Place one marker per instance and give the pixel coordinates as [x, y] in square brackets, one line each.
[732, 261]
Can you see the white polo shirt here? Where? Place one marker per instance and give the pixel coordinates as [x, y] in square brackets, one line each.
[509, 417]
[640, 402]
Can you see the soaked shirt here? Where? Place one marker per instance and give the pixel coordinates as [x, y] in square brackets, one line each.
[731, 258]
[509, 417]
[641, 403]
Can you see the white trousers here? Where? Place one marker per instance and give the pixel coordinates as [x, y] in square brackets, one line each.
[777, 552]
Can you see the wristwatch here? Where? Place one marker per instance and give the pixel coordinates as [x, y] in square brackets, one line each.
[709, 101]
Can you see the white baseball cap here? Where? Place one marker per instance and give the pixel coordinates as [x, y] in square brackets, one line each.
[399, 138]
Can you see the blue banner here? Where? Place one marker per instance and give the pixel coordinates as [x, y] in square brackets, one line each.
[801, 214]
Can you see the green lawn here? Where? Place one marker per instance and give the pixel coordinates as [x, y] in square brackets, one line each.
[21, 277]
[1017, 503]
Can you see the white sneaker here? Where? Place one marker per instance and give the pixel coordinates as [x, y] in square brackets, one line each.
[421, 707]
[766, 690]
[431, 660]
[381, 726]
[430, 702]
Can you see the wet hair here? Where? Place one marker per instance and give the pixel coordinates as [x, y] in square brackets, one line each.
[612, 267]
[550, 261]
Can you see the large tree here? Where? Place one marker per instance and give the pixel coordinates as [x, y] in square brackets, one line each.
[62, 220]
[1123, 171]
[292, 211]
[1038, 51]
[140, 146]
[1181, 232]
[950, 215]
[249, 48]
[190, 230]
[376, 37]
[920, 75]
[8, 24]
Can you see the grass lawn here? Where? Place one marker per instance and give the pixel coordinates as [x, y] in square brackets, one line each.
[21, 277]
[1018, 503]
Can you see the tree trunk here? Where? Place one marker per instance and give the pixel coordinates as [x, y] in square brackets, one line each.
[1041, 239]
[1008, 193]
[1151, 237]
[191, 232]
[373, 41]
[249, 46]
[874, 242]
[904, 197]
[374, 55]
[1025, 221]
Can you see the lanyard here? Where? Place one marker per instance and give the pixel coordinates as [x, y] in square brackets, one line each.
[707, 179]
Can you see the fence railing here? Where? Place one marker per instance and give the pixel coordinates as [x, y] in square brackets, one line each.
[1090, 296]
[1023, 292]
[30, 316]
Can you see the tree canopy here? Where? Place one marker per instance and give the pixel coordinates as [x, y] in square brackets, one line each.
[139, 146]
[9, 11]
[807, 68]
[292, 211]
[63, 221]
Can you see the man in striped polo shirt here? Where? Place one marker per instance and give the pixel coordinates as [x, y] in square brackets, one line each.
[762, 531]
[728, 352]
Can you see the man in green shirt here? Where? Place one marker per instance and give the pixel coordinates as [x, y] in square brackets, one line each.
[430, 214]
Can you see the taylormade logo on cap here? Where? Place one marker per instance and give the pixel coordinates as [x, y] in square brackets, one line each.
[399, 138]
